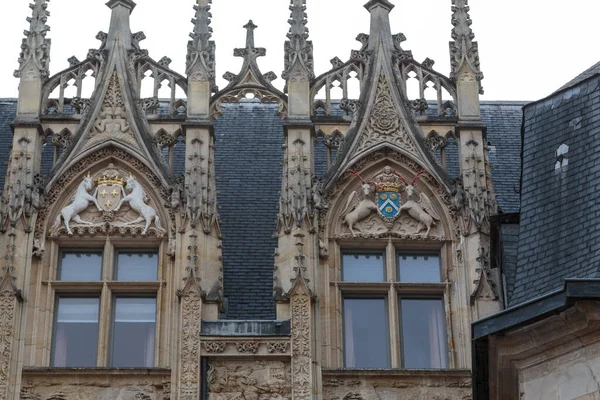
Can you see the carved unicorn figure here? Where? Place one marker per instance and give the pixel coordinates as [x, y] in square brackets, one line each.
[80, 202]
[422, 210]
[356, 211]
[136, 201]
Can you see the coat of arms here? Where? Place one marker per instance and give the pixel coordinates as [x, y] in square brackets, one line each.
[109, 190]
[387, 187]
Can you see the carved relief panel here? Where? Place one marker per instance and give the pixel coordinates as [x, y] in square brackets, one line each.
[111, 200]
[386, 203]
[249, 380]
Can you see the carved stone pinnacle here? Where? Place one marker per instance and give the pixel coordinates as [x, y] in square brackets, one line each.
[125, 3]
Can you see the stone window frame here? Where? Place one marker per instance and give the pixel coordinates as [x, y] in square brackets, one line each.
[392, 289]
[107, 290]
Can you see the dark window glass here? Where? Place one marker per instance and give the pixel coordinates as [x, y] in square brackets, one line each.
[133, 332]
[80, 266]
[75, 339]
[137, 266]
[423, 333]
[366, 333]
[367, 267]
[419, 268]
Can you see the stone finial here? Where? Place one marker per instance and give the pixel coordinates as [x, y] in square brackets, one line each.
[298, 49]
[200, 62]
[34, 59]
[129, 4]
[463, 49]
[379, 3]
[250, 52]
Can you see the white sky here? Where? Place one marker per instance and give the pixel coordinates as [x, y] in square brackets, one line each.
[528, 48]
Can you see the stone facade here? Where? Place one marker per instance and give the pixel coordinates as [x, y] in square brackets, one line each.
[114, 184]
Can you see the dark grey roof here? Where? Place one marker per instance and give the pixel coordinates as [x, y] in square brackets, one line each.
[559, 234]
[503, 120]
[8, 110]
[248, 160]
[509, 235]
[588, 73]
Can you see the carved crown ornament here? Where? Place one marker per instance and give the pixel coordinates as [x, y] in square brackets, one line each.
[387, 203]
[112, 201]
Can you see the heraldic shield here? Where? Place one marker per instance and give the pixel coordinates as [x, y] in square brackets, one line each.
[109, 192]
[388, 194]
[388, 204]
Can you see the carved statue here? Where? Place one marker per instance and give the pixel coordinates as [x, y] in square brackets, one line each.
[420, 210]
[80, 202]
[136, 201]
[356, 211]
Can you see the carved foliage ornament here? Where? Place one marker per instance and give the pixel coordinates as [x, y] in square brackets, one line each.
[191, 310]
[7, 317]
[384, 122]
[111, 122]
[301, 360]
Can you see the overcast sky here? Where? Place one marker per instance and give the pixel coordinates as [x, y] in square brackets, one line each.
[528, 48]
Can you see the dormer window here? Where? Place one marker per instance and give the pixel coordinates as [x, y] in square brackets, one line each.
[562, 159]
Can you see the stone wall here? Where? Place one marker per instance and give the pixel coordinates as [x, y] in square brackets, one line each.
[396, 384]
[96, 384]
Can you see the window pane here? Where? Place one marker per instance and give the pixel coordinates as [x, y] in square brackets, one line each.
[367, 267]
[133, 332]
[80, 266]
[75, 339]
[419, 268]
[365, 330]
[423, 333]
[137, 266]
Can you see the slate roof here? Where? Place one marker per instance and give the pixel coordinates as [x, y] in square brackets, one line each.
[560, 234]
[503, 120]
[8, 110]
[249, 139]
[588, 73]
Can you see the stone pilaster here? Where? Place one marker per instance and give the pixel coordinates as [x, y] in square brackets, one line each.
[21, 198]
[188, 371]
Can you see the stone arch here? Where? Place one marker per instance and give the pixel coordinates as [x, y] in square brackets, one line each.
[368, 168]
[63, 188]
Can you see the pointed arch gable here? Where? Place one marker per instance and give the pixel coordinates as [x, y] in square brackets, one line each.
[65, 184]
[372, 164]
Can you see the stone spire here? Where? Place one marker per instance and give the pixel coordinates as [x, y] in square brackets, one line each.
[34, 59]
[380, 24]
[463, 50]
[119, 22]
[298, 49]
[200, 63]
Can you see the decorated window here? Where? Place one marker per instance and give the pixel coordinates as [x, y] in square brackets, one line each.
[105, 307]
[393, 309]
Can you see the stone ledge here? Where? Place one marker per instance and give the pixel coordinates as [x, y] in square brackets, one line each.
[381, 373]
[95, 371]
